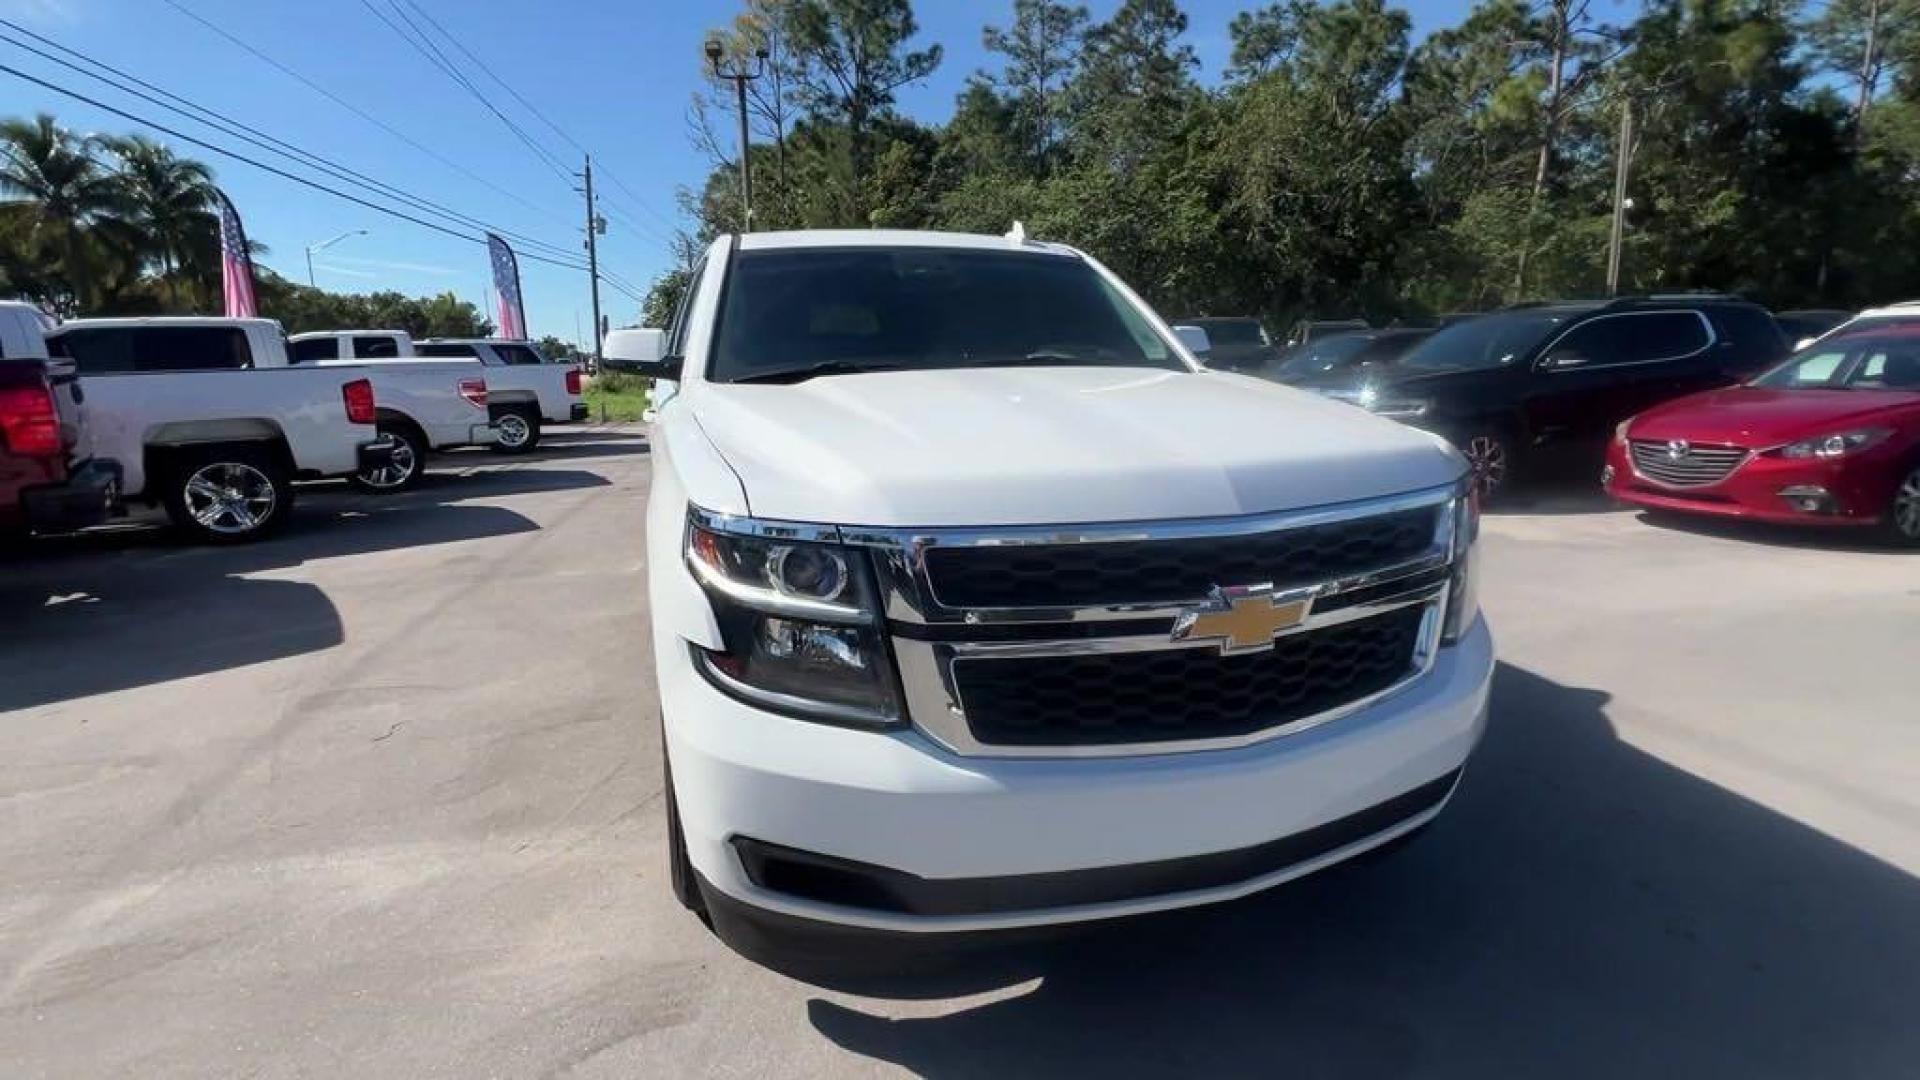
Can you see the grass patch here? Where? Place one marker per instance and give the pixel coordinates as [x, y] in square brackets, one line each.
[616, 395]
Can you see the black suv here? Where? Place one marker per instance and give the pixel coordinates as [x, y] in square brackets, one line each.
[1517, 387]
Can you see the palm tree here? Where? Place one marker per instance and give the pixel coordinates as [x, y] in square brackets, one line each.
[57, 195]
[171, 199]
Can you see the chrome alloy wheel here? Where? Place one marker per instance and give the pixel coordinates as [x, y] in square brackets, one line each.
[1905, 512]
[400, 467]
[1488, 459]
[514, 430]
[230, 497]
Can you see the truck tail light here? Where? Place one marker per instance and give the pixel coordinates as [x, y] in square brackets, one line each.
[573, 381]
[475, 391]
[358, 395]
[29, 420]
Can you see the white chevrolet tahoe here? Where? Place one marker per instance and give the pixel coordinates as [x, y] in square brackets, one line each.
[977, 603]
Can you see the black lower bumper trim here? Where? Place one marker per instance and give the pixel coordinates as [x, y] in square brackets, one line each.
[578, 413]
[827, 879]
[377, 454]
[89, 497]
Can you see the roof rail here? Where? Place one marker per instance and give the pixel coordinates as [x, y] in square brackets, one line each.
[1684, 294]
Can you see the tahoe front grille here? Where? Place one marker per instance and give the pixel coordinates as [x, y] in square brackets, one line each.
[1123, 572]
[1684, 464]
[1180, 695]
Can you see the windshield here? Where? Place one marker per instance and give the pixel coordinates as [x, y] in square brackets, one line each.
[1861, 361]
[855, 309]
[1489, 341]
[1322, 355]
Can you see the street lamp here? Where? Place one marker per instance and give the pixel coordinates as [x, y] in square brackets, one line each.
[322, 246]
[738, 74]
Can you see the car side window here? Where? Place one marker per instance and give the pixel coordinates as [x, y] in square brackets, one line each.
[1818, 369]
[1636, 338]
[189, 348]
[517, 355]
[311, 350]
[447, 348]
[375, 348]
[677, 329]
[100, 351]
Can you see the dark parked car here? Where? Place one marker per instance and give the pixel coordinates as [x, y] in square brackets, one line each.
[1343, 360]
[1308, 329]
[1811, 323]
[1238, 344]
[1527, 384]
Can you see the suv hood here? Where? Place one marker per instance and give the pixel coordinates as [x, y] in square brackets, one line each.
[1760, 417]
[1030, 446]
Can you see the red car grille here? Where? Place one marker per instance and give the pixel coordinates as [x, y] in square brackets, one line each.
[1681, 464]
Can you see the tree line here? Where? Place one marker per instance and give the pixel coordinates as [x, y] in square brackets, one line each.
[1340, 168]
[121, 225]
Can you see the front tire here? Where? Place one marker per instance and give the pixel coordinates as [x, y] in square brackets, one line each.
[519, 430]
[1902, 524]
[229, 495]
[408, 464]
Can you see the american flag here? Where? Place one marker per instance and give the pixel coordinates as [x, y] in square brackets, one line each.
[506, 282]
[236, 266]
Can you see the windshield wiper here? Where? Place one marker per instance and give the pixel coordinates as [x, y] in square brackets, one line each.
[808, 371]
[1041, 357]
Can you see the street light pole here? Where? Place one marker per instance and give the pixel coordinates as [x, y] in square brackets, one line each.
[322, 246]
[740, 77]
[1616, 234]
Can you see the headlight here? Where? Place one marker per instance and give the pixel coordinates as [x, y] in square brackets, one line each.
[1463, 592]
[801, 623]
[1833, 446]
[1620, 430]
[1398, 409]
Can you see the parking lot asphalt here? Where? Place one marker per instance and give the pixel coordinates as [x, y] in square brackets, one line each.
[381, 797]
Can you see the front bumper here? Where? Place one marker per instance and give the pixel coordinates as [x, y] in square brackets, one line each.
[578, 413]
[1857, 489]
[969, 843]
[90, 495]
[482, 435]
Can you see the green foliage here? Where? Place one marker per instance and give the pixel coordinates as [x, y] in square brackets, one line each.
[1342, 169]
[105, 225]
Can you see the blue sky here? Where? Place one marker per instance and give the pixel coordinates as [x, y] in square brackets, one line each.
[615, 75]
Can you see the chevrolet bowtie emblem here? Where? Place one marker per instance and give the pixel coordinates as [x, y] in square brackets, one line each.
[1244, 619]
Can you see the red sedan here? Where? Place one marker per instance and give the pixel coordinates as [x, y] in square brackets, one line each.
[1831, 437]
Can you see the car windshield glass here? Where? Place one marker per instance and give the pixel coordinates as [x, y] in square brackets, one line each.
[1321, 355]
[1861, 361]
[1489, 341]
[837, 310]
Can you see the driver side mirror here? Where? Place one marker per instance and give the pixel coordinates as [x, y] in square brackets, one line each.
[640, 351]
[1195, 339]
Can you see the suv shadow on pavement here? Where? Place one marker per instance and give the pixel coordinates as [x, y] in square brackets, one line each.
[1813, 538]
[121, 608]
[1582, 909]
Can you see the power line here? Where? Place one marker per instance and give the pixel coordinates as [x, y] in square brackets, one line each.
[254, 136]
[532, 108]
[301, 180]
[425, 47]
[354, 109]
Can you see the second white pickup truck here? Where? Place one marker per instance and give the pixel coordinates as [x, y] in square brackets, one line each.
[525, 391]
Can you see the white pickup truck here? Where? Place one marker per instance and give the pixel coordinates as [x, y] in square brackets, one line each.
[525, 391]
[421, 407]
[175, 406]
[978, 603]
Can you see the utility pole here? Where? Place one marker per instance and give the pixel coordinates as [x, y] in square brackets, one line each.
[595, 226]
[740, 77]
[1622, 159]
